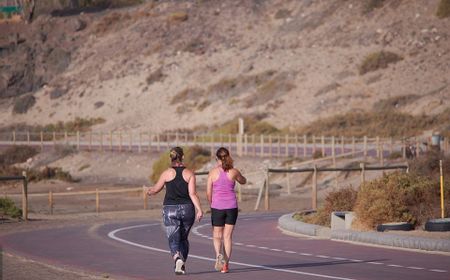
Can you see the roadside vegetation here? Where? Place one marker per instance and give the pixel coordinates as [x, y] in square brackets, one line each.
[9, 209]
[386, 123]
[378, 60]
[443, 10]
[396, 197]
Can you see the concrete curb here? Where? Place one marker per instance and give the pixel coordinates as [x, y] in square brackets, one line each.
[286, 222]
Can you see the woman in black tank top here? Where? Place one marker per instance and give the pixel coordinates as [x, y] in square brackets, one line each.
[181, 206]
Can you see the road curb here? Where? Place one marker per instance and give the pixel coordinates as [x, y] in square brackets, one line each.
[286, 222]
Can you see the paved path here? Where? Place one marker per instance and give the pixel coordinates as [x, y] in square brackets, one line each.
[138, 250]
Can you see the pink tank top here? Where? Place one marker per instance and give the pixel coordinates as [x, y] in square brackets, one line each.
[223, 196]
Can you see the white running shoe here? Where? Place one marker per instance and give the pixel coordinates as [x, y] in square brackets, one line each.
[179, 267]
[219, 262]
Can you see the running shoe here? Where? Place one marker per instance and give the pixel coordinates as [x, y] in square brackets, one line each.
[219, 262]
[179, 267]
[224, 268]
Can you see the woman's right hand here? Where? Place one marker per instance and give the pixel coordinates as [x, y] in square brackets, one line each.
[199, 215]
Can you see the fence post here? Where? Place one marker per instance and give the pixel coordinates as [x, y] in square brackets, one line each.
[314, 189]
[297, 148]
[120, 141]
[140, 142]
[403, 148]
[262, 145]
[270, 145]
[245, 144]
[378, 146]
[54, 139]
[353, 146]
[149, 142]
[110, 140]
[97, 201]
[157, 142]
[14, 137]
[65, 137]
[418, 146]
[314, 144]
[42, 140]
[101, 141]
[254, 144]
[130, 141]
[342, 145]
[333, 150]
[323, 145]
[381, 154]
[287, 145]
[144, 197]
[363, 175]
[305, 143]
[28, 137]
[90, 140]
[365, 148]
[267, 193]
[50, 202]
[78, 140]
[25, 196]
[391, 145]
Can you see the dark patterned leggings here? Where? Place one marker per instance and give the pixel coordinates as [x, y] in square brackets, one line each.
[178, 220]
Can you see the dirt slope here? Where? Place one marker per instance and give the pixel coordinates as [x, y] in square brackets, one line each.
[180, 64]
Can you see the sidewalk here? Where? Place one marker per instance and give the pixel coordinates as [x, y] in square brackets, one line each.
[287, 223]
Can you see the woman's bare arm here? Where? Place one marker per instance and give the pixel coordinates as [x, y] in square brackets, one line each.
[194, 197]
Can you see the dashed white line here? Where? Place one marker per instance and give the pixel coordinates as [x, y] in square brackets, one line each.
[276, 250]
[290, 252]
[322, 256]
[264, 248]
[415, 267]
[238, 243]
[250, 245]
[395, 265]
[377, 263]
[438, 270]
[305, 254]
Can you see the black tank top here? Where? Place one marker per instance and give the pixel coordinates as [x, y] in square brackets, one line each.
[177, 190]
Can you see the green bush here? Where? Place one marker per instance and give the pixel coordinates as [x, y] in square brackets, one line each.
[23, 104]
[8, 208]
[17, 154]
[194, 158]
[443, 10]
[378, 60]
[398, 197]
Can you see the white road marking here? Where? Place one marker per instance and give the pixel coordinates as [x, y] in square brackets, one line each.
[113, 233]
[195, 230]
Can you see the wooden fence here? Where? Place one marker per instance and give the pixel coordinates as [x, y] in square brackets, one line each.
[363, 169]
[243, 144]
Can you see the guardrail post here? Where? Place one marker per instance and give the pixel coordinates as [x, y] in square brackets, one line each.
[140, 143]
[286, 140]
[101, 141]
[381, 154]
[270, 145]
[110, 140]
[54, 139]
[314, 144]
[65, 137]
[14, 137]
[28, 137]
[323, 145]
[353, 146]
[25, 196]
[342, 145]
[90, 140]
[130, 142]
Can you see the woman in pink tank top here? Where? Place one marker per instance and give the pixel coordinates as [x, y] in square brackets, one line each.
[224, 209]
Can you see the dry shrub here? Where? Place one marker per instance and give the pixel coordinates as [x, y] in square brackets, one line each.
[178, 17]
[186, 94]
[317, 154]
[394, 102]
[378, 60]
[194, 158]
[35, 175]
[370, 5]
[17, 154]
[156, 76]
[9, 208]
[398, 197]
[23, 104]
[340, 200]
[443, 10]
[253, 124]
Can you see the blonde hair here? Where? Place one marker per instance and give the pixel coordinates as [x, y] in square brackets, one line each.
[224, 155]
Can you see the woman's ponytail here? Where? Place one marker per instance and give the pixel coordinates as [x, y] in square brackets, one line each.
[224, 155]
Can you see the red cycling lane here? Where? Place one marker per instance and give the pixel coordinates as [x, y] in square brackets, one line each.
[138, 250]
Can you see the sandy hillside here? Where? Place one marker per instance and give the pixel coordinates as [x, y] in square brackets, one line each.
[180, 64]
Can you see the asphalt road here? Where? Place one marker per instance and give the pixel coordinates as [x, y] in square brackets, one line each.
[139, 250]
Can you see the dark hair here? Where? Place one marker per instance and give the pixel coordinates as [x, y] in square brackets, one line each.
[224, 155]
[176, 154]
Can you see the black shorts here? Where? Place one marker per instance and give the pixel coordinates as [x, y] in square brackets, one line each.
[221, 217]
